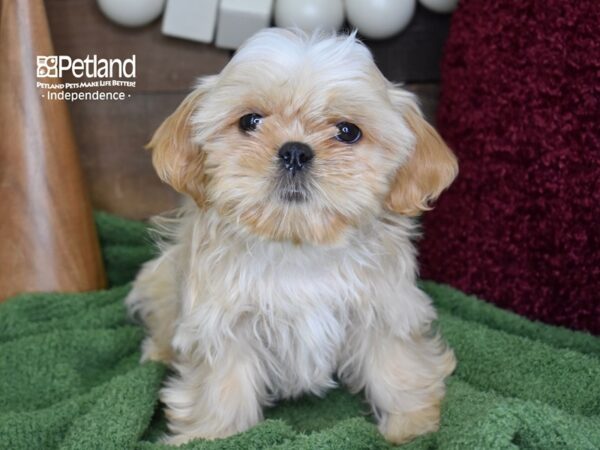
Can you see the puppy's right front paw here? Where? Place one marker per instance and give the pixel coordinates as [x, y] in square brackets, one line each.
[401, 428]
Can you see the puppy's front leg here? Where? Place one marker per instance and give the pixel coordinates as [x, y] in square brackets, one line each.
[214, 399]
[153, 299]
[403, 380]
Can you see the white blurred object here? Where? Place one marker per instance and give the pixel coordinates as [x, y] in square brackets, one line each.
[131, 13]
[240, 19]
[191, 19]
[440, 6]
[380, 19]
[309, 15]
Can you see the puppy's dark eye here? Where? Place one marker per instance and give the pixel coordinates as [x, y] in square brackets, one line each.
[348, 133]
[249, 122]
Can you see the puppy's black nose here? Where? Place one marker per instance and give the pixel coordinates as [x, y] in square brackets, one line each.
[295, 156]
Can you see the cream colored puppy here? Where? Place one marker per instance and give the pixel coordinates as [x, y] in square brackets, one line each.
[294, 260]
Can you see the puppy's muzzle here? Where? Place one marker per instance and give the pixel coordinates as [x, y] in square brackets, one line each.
[295, 156]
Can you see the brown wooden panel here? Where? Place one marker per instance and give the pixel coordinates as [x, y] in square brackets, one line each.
[111, 136]
[415, 54]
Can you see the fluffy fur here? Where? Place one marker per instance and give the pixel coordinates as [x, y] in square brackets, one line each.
[255, 297]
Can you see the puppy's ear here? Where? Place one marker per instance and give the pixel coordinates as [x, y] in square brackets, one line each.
[177, 160]
[430, 168]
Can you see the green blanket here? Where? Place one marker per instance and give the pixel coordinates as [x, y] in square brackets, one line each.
[70, 377]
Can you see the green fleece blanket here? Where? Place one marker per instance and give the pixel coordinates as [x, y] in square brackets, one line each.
[70, 377]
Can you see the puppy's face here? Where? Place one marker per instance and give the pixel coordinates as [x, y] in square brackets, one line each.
[300, 139]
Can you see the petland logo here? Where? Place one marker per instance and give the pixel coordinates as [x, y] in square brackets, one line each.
[96, 79]
[55, 66]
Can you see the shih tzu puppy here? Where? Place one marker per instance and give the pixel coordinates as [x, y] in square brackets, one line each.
[292, 264]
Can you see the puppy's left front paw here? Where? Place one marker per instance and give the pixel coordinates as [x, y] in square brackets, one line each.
[401, 428]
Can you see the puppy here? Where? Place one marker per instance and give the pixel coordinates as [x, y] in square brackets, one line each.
[292, 260]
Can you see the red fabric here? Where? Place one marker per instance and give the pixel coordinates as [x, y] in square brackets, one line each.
[520, 106]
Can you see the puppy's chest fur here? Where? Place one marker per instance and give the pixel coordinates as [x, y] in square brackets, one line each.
[294, 307]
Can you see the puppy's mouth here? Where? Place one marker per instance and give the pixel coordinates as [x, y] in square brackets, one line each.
[293, 188]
